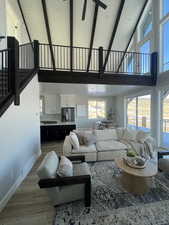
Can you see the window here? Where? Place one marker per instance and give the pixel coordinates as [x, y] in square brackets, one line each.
[165, 33]
[147, 25]
[130, 65]
[96, 109]
[165, 122]
[131, 112]
[144, 112]
[41, 104]
[145, 62]
[165, 7]
[138, 112]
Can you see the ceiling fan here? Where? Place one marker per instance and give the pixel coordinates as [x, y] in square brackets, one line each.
[98, 2]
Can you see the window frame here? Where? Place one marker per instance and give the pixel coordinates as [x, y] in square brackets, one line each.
[137, 97]
[143, 23]
[140, 60]
[105, 106]
[163, 95]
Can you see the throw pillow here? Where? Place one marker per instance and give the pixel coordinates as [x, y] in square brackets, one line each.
[142, 136]
[80, 136]
[74, 140]
[129, 135]
[89, 139]
[65, 167]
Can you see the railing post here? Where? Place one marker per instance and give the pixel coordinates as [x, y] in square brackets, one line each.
[154, 67]
[36, 54]
[13, 65]
[100, 61]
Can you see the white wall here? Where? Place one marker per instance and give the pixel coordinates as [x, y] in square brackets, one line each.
[19, 140]
[120, 110]
[15, 24]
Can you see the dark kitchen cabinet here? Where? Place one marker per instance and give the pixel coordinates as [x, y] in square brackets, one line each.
[54, 133]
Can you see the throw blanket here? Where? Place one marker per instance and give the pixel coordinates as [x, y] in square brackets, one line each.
[145, 150]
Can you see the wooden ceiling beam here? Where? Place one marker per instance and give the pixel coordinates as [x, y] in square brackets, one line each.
[25, 23]
[46, 19]
[92, 35]
[114, 32]
[134, 30]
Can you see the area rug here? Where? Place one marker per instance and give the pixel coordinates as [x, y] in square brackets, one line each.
[112, 205]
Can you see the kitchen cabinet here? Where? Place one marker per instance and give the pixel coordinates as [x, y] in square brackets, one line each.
[52, 104]
[67, 101]
[55, 132]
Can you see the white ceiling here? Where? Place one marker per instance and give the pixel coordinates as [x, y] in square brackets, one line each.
[58, 12]
[85, 89]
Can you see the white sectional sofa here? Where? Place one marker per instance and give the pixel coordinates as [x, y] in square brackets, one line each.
[110, 144]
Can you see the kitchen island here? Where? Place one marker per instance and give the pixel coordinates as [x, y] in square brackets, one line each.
[55, 130]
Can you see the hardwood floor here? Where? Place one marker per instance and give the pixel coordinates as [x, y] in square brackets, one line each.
[30, 204]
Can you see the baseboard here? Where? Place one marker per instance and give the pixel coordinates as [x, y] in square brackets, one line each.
[19, 180]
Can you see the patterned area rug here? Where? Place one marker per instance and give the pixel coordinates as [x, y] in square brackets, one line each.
[112, 205]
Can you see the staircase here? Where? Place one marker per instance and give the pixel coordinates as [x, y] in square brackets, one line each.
[18, 65]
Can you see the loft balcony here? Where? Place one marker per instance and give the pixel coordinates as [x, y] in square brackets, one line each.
[95, 66]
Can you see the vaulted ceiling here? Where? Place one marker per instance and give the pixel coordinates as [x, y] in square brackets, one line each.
[59, 21]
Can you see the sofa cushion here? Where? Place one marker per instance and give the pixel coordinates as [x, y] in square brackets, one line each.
[129, 135]
[65, 167]
[106, 134]
[85, 149]
[80, 169]
[49, 166]
[142, 136]
[74, 140]
[109, 145]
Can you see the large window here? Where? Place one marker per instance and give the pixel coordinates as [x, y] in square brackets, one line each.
[165, 122]
[165, 33]
[130, 64]
[165, 7]
[145, 62]
[96, 109]
[139, 112]
[146, 27]
[131, 112]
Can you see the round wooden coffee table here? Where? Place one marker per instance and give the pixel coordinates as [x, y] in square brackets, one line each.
[137, 181]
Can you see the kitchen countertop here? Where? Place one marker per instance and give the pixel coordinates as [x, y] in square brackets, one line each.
[59, 123]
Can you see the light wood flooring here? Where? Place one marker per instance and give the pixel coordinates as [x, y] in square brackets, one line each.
[30, 204]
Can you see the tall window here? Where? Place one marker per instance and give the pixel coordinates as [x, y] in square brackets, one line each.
[130, 64]
[147, 25]
[96, 109]
[145, 63]
[139, 112]
[165, 33]
[41, 104]
[165, 122]
[131, 112]
[165, 7]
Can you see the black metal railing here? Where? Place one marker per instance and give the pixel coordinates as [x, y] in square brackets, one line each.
[26, 56]
[5, 75]
[128, 63]
[118, 62]
[18, 64]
